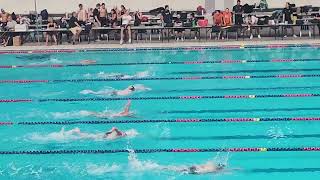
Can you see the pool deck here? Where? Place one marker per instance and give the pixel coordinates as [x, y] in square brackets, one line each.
[172, 44]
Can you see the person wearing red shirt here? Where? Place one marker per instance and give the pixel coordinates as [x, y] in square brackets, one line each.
[217, 22]
[227, 17]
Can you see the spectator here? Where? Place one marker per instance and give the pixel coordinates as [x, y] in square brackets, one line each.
[51, 34]
[126, 18]
[227, 17]
[82, 15]
[75, 27]
[227, 21]
[123, 10]
[238, 11]
[263, 4]
[194, 23]
[62, 23]
[217, 22]
[114, 18]
[96, 15]
[137, 22]
[103, 15]
[9, 27]
[166, 17]
[251, 21]
[4, 18]
[10, 24]
[179, 32]
[287, 13]
[97, 23]
[218, 18]
[137, 18]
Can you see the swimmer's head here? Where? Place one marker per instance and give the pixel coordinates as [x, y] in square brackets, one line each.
[221, 166]
[192, 170]
[131, 88]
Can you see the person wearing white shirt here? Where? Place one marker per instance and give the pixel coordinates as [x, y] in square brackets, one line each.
[126, 19]
[251, 21]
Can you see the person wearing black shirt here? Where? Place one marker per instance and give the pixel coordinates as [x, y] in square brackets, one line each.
[179, 32]
[167, 17]
[238, 11]
[287, 13]
[74, 26]
[96, 15]
[97, 23]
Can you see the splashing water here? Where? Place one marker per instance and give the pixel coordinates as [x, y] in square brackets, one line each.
[98, 170]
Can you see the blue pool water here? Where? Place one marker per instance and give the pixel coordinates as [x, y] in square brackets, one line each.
[171, 77]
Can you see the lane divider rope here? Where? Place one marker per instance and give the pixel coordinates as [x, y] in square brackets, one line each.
[180, 120]
[268, 46]
[163, 98]
[246, 71]
[176, 150]
[183, 97]
[159, 63]
[282, 76]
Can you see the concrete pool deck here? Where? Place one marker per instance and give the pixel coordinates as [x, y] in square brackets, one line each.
[101, 45]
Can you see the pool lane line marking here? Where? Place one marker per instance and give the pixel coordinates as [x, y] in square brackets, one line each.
[239, 89]
[159, 63]
[179, 120]
[239, 110]
[282, 170]
[182, 97]
[245, 71]
[162, 98]
[192, 48]
[172, 150]
[281, 76]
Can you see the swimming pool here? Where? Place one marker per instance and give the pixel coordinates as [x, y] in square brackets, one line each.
[255, 109]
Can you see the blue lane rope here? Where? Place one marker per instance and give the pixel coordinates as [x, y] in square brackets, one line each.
[182, 97]
[284, 76]
[240, 110]
[181, 120]
[177, 150]
[159, 63]
[247, 71]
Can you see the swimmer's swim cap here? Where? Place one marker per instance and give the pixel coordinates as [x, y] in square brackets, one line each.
[132, 88]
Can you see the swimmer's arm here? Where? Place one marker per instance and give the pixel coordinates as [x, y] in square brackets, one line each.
[127, 107]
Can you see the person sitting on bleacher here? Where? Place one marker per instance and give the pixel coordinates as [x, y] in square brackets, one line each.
[179, 32]
[217, 23]
[9, 27]
[227, 17]
[126, 19]
[114, 18]
[287, 19]
[251, 21]
[4, 18]
[166, 17]
[75, 27]
[51, 26]
[194, 23]
[227, 20]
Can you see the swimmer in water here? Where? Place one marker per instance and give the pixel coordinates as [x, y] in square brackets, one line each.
[113, 134]
[86, 62]
[125, 113]
[124, 92]
[207, 168]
